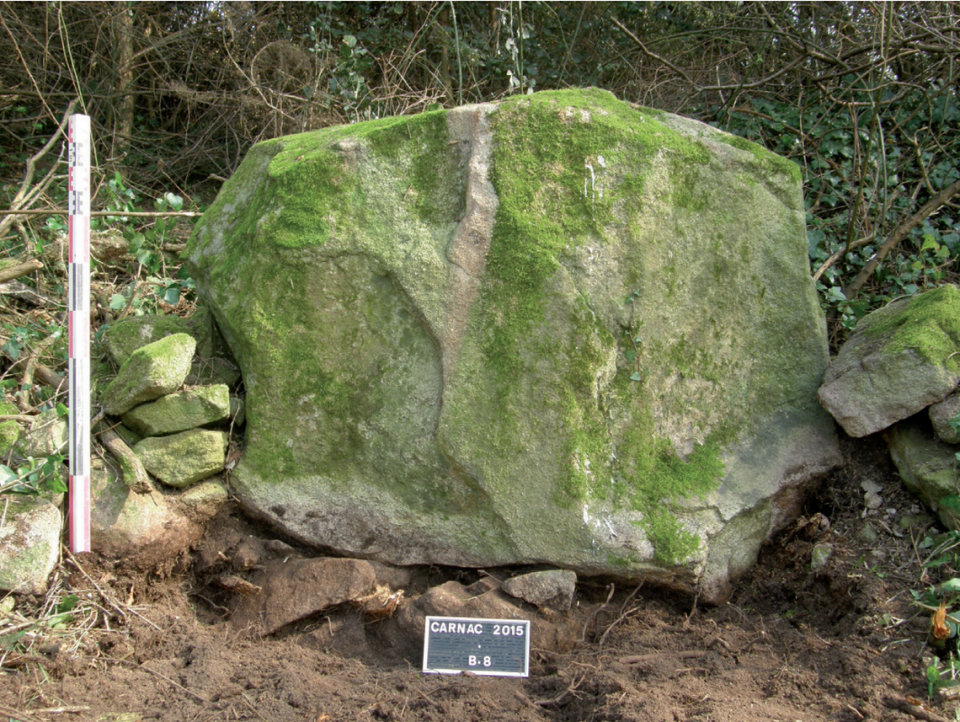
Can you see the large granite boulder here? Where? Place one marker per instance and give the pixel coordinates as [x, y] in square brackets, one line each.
[560, 329]
[901, 359]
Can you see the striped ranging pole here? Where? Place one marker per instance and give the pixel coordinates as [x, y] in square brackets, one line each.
[78, 200]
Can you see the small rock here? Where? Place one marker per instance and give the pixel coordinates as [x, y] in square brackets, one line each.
[342, 631]
[871, 487]
[942, 414]
[152, 371]
[821, 556]
[147, 529]
[131, 334]
[48, 434]
[927, 467]
[913, 521]
[10, 431]
[871, 497]
[125, 337]
[280, 548]
[301, 588]
[872, 500]
[895, 364]
[553, 588]
[867, 534]
[184, 458]
[7, 605]
[237, 585]
[181, 411]
[130, 437]
[238, 413]
[247, 555]
[29, 543]
[202, 501]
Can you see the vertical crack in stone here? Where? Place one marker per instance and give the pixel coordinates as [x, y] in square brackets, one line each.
[467, 252]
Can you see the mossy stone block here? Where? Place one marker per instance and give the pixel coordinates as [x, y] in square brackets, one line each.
[182, 459]
[180, 411]
[901, 359]
[48, 434]
[29, 543]
[928, 468]
[208, 368]
[150, 372]
[126, 336]
[10, 431]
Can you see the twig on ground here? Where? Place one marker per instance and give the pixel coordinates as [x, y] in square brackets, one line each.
[623, 614]
[21, 269]
[166, 679]
[17, 716]
[135, 477]
[106, 597]
[641, 658]
[252, 709]
[26, 382]
[920, 711]
[586, 625]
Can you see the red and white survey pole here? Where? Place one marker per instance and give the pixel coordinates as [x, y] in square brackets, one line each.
[78, 201]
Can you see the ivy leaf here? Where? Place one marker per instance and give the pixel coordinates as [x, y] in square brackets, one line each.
[174, 201]
[951, 585]
[7, 475]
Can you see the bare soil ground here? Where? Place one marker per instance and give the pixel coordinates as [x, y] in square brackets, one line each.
[843, 643]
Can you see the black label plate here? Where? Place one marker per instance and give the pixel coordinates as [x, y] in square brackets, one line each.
[498, 647]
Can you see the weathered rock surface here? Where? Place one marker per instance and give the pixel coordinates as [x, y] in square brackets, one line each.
[941, 414]
[147, 529]
[553, 588]
[898, 362]
[301, 588]
[150, 372]
[48, 434]
[180, 411]
[557, 330]
[10, 431]
[928, 468]
[184, 458]
[29, 543]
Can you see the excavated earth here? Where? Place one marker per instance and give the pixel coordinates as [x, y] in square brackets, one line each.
[844, 643]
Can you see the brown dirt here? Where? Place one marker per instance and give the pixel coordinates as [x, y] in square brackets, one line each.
[841, 644]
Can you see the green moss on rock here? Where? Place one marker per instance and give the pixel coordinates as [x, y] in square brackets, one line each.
[566, 424]
[928, 324]
[150, 372]
[10, 431]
